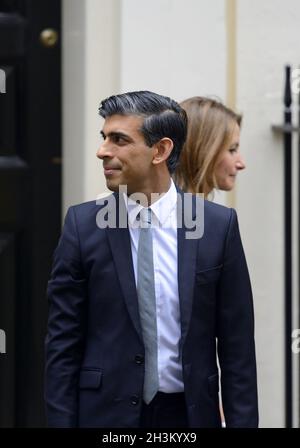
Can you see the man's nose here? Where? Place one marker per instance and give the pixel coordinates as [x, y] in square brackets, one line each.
[104, 151]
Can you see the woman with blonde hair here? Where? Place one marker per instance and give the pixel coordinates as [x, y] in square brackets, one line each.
[210, 157]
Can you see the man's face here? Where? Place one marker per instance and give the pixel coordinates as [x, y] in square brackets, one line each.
[127, 160]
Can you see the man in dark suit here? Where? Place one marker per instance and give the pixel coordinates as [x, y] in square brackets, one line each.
[139, 305]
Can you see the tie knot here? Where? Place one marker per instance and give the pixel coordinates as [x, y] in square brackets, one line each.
[145, 215]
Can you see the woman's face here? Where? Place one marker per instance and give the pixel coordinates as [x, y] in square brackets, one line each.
[229, 162]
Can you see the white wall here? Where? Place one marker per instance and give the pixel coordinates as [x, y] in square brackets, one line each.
[90, 73]
[120, 45]
[268, 33]
[173, 47]
[73, 90]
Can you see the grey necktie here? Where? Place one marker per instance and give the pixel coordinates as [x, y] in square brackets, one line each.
[147, 304]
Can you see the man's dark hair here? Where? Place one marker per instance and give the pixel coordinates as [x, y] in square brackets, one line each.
[163, 117]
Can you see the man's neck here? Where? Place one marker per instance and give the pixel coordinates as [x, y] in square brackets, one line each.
[153, 192]
[158, 191]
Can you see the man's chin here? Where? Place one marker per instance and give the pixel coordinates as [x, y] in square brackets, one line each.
[115, 186]
[112, 187]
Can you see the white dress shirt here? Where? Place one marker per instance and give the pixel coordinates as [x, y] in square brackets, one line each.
[164, 233]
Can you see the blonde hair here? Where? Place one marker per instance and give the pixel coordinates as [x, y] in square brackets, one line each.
[210, 129]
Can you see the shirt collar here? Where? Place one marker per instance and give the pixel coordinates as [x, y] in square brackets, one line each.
[162, 208]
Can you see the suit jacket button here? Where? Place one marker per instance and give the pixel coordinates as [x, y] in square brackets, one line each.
[139, 359]
[134, 400]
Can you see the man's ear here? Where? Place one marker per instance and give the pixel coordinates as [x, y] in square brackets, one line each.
[162, 150]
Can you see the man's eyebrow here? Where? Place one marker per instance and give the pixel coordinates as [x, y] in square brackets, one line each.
[115, 134]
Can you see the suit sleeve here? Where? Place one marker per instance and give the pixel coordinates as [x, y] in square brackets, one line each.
[66, 328]
[235, 334]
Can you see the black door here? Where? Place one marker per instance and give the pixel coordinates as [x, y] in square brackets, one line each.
[30, 197]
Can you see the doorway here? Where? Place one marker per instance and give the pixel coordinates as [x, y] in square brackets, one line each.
[30, 197]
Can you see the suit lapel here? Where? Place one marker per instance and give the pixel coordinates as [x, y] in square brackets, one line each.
[119, 240]
[187, 254]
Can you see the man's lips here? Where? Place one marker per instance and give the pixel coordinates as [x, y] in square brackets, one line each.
[109, 170]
